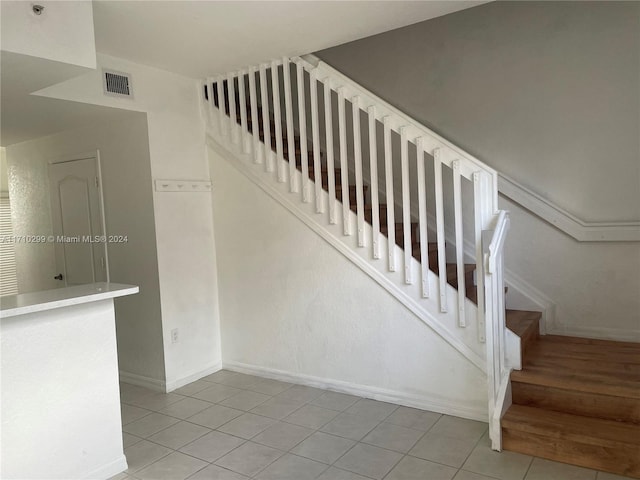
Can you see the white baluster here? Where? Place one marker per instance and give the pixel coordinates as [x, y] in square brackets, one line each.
[457, 209]
[422, 217]
[233, 117]
[331, 173]
[357, 151]
[246, 143]
[210, 103]
[291, 144]
[344, 172]
[373, 168]
[406, 206]
[442, 258]
[480, 277]
[255, 122]
[277, 120]
[388, 173]
[304, 158]
[317, 172]
[266, 121]
[221, 107]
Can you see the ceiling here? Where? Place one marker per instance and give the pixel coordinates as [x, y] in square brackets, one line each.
[204, 38]
[196, 39]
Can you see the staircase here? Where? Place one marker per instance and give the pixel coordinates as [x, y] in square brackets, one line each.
[447, 271]
[575, 400]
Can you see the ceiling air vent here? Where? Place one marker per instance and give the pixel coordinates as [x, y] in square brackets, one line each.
[117, 83]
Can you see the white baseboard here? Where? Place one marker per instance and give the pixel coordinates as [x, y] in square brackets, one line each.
[601, 333]
[171, 385]
[109, 470]
[447, 406]
[142, 381]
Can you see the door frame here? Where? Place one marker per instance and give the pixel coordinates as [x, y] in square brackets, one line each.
[91, 155]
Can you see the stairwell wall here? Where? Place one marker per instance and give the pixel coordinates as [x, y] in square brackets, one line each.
[546, 93]
[294, 308]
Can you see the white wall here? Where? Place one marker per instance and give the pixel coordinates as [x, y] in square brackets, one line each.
[60, 396]
[547, 93]
[4, 177]
[183, 221]
[127, 190]
[292, 304]
[63, 32]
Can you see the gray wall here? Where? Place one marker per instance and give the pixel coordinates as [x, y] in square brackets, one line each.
[545, 92]
[128, 202]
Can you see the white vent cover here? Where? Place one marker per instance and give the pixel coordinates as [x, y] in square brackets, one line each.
[117, 83]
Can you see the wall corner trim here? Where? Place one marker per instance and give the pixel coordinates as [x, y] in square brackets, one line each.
[580, 230]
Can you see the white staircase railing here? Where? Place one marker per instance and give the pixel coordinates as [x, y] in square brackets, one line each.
[281, 113]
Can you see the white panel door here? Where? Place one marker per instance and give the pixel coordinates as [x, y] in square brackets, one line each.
[77, 218]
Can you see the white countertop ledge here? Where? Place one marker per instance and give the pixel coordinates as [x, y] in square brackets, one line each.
[21, 304]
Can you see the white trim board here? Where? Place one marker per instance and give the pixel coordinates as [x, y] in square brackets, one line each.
[172, 385]
[142, 381]
[561, 219]
[448, 406]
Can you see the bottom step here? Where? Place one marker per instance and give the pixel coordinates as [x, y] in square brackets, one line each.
[595, 443]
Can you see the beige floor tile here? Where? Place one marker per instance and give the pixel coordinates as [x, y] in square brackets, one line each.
[149, 425]
[442, 449]
[464, 475]
[541, 469]
[175, 466]
[215, 416]
[216, 392]
[323, 447]
[350, 426]
[212, 446]
[292, 467]
[144, 453]
[270, 387]
[501, 465]
[240, 380]
[410, 468]
[214, 472]
[393, 437]
[247, 426]
[220, 376]
[157, 401]
[191, 388]
[277, 408]
[372, 409]
[301, 393]
[459, 427]
[413, 418]
[131, 413]
[245, 400]
[369, 461]
[128, 439]
[334, 473]
[185, 408]
[283, 436]
[311, 416]
[179, 435]
[249, 459]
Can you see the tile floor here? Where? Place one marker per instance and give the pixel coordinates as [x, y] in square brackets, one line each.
[231, 426]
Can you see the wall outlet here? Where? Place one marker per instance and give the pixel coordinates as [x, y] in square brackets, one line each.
[174, 335]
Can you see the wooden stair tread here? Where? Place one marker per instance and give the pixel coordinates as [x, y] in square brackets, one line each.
[594, 342]
[607, 353]
[578, 381]
[520, 322]
[559, 425]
